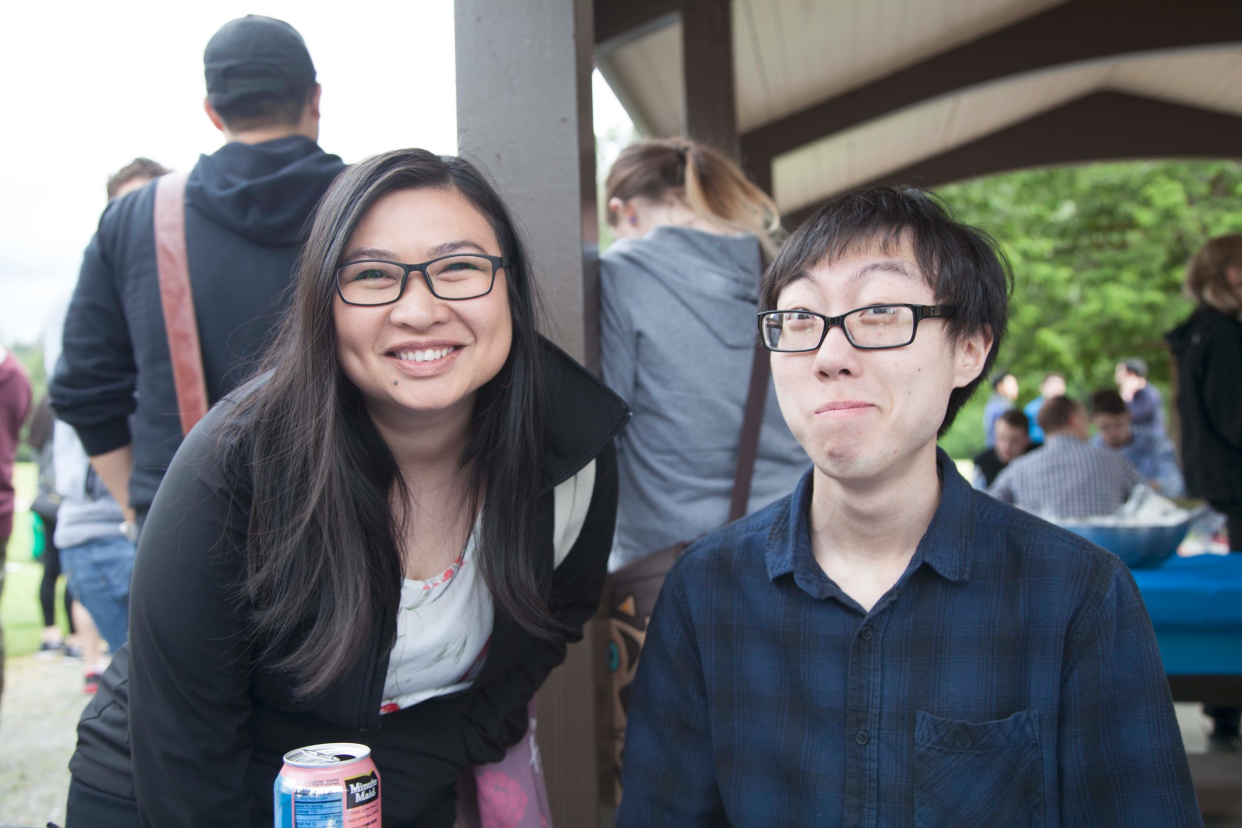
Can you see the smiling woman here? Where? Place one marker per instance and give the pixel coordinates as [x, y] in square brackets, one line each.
[452, 328]
[369, 542]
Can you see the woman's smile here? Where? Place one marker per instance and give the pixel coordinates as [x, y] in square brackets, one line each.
[425, 362]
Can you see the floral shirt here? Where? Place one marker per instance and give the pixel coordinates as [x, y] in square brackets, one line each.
[443, 629]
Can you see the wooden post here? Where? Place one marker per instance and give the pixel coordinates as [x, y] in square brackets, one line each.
[707, 49]
[524, 115]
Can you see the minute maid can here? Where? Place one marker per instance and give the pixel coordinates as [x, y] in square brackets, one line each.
[328, 786]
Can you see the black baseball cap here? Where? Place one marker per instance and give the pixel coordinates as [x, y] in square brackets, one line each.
[255, 57]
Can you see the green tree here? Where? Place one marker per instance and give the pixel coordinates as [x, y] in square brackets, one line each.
[30, 355]
[1099, 254]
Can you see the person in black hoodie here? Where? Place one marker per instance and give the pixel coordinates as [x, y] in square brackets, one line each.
[1208, 351]
[246, 206]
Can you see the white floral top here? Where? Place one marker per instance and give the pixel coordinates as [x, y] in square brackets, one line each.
[444, 626]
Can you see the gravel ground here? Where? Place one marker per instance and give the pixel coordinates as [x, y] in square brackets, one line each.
[38, 720]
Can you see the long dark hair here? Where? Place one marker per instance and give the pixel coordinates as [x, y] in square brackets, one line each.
[324, 568]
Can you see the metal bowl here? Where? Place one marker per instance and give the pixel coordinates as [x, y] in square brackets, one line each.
[1139, 547]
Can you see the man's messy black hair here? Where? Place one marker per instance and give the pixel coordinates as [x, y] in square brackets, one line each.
[964, 266]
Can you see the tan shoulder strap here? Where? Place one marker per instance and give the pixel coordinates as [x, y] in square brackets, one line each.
[178, 300]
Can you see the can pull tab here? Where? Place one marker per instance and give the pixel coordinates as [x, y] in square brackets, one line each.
[325, 757]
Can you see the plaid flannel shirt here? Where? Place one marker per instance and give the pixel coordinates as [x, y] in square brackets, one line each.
[1010, 677]
[1155, 458]
[1067, 478]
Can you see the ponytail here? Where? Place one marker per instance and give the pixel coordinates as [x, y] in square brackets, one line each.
[709, 183]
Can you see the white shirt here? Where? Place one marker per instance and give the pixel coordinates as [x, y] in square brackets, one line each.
[444, 624]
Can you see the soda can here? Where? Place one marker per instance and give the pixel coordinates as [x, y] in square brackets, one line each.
[328, 786]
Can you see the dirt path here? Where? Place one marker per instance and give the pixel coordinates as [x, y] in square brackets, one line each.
[38, 721]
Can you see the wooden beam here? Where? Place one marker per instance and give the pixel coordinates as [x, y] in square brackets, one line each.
[1217, 690]
[707, 49]
[1071, 32]
[619, 19]
[524, 115]
[1218, 783]
[1104, 126]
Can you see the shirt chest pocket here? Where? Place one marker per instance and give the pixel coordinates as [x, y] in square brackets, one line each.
[972, 774]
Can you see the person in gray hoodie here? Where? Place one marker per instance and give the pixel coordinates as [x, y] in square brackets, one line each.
[96, 556]
[678, 303]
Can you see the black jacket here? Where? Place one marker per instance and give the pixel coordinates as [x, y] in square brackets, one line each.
[1208, 350]
[989, 465]
[208, 729]
[245, 208]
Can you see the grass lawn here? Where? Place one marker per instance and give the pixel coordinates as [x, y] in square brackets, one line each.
[25, 480]
[19, 605]
[19, 608]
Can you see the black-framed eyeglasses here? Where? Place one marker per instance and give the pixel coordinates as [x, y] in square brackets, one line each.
[872, 328]
[455, 277]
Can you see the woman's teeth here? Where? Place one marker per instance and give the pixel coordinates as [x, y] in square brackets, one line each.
[424, 356]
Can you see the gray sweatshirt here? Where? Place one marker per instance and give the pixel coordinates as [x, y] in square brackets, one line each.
[87, 512]
[677, 338]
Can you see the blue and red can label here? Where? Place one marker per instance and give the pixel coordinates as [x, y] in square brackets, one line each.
[328, 786]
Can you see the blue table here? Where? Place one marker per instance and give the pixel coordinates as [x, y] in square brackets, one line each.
[1195, 605]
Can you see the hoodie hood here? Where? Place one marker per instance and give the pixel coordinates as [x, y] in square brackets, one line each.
[712, 276]
[263, 192]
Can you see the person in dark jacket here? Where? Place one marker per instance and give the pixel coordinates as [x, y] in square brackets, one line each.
[245, 207]
[1208, 350]
[389, 537]
[1144, 400]
[1012, 440]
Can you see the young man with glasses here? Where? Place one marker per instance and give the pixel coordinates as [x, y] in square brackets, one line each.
[887, 646]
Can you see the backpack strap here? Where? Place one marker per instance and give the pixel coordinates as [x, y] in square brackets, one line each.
[752, 423]
[177, 299]
[571, 501]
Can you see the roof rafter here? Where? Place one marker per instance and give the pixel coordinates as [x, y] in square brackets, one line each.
[624, 18]
[1102, 126]
[1075, 31]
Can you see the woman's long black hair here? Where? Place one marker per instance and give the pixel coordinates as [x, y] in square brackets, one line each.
[324, 569]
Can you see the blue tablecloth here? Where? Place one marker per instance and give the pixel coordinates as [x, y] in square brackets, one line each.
[1195, 605]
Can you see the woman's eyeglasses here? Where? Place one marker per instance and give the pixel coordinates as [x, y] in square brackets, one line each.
[377, 282]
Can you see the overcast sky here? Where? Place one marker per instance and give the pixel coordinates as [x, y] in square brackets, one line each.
[89, 86]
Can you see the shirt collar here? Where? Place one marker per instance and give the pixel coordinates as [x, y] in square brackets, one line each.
[1061, 441]
[946, 546]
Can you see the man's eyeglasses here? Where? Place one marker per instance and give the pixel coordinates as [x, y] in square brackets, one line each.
[377, 282]
[872, 328]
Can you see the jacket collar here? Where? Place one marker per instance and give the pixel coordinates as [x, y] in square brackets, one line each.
[582, 415]
[945, 546]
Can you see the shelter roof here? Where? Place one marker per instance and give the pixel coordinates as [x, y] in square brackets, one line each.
[834, 94]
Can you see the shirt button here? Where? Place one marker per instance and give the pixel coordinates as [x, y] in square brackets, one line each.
[861, 737]
[865, 633]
